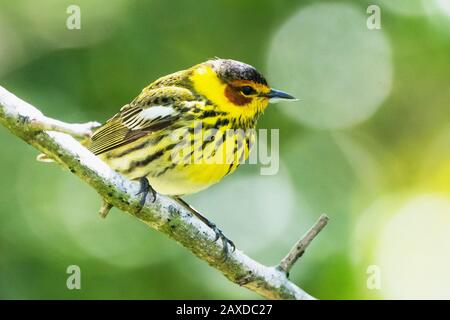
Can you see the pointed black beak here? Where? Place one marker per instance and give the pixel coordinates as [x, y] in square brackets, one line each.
[277, 95]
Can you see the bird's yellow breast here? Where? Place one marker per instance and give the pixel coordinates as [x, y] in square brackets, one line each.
[206, 163]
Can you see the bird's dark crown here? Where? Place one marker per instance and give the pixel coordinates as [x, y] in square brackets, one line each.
[229, 70]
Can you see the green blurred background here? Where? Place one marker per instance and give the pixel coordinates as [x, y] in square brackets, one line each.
[368, 144]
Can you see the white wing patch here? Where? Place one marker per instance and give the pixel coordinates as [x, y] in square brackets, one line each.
[148, 116]
[156, 112]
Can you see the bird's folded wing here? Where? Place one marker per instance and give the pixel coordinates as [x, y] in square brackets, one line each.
[152, 111]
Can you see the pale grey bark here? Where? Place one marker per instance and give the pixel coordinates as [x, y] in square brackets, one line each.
[300, 247]
[165, 214]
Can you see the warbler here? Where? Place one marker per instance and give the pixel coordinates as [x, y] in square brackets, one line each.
[187, 130]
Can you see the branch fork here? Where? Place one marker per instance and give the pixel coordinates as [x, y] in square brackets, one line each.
[55, 139]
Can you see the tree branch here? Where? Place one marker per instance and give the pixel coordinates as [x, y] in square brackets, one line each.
[300, 247]
[165, 214]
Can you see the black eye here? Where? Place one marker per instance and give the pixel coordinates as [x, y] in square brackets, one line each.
[247, 90]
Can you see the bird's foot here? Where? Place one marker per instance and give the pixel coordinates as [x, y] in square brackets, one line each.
[145, 189]
[226, 243]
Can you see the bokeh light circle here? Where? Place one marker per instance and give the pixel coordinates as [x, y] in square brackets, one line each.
[326, 56]
[413, 250]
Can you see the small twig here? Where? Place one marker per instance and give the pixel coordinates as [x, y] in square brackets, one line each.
[73, 129]
[300, 247]
[105, 208]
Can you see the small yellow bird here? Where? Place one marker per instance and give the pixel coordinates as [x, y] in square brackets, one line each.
[187, 130]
